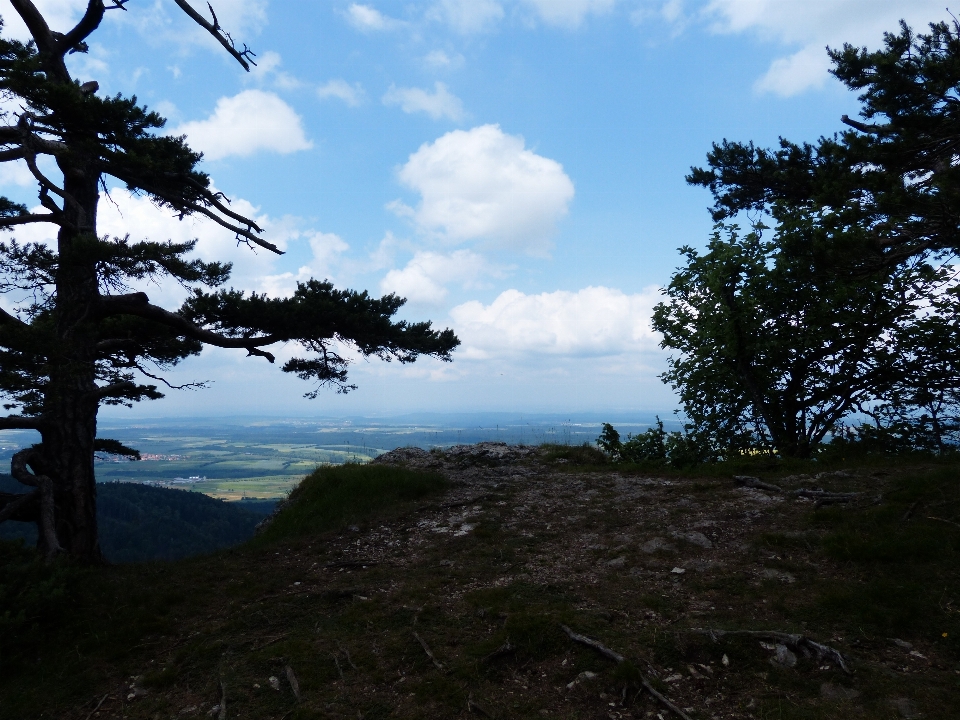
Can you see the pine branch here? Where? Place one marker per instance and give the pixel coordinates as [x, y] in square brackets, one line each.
[6, 222]
[19, 422]
[138, 305]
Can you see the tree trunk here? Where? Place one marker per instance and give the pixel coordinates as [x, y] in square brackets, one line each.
[71, 405]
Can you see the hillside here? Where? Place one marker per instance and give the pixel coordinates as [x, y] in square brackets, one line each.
[777, 597]
[139, 523]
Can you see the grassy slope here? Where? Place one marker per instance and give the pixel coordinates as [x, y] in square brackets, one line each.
[861, 575]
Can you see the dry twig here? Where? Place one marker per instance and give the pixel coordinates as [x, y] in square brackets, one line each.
[90, 714]
[757, 483]
[618, 658]
[428, 651]
[504, 649]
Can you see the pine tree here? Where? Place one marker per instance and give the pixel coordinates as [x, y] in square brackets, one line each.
[84, 338]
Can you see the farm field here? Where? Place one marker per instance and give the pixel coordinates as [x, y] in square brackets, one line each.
[264, 458]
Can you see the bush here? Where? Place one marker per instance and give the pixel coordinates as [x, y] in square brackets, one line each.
[656, 446]
[332, 498]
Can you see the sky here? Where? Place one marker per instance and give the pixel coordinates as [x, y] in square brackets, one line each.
[514, 168]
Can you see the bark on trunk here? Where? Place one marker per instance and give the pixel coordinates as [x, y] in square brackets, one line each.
[71, 399]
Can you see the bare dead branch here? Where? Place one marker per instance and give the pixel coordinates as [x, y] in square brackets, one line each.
[30, 218]
[161, 379]
[243, 233]
[594, 644]
[862, 127]
[242, 56]
[428, 651]
[39, 30]
[618, 658]
[88, 23]
[949, 522]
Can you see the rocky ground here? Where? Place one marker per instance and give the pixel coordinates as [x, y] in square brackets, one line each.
[536, 587]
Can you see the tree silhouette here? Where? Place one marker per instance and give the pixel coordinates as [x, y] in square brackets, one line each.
[79, 336]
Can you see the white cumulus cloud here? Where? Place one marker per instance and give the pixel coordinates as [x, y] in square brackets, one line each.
[483, 184]
[569, 13]
[439, 60]
[327, 250]
[352, 95]
[424, 278]
[595, 321]
[244, 124]
[441, 103]
[810, 26]
[367, 19]
[468, 16]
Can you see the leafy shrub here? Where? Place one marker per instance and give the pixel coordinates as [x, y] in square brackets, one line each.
[337, 496]
[656, 446]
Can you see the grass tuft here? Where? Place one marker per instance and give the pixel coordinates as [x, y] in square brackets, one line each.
[333, 498]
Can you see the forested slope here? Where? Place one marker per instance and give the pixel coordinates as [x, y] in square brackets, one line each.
[139, 522]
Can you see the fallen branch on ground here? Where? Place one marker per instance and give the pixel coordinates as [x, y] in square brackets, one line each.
[618, 658]
[92, 712]
[756, 483]
[473, 707]
[504, 649]
[949, 522]
[800, 643]
[428, 651]
[822, 497]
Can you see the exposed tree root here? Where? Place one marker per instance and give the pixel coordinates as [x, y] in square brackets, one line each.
[618, 658]
[799, 643]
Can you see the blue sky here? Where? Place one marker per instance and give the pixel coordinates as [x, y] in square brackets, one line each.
[513, 167]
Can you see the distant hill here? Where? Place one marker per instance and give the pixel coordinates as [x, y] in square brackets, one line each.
[139, 522]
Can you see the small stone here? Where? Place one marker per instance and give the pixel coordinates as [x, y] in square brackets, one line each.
[657, 544]
[901, 643]
[725, 661]
[617, 562]
[585, 675]
[783, 657]
[353, 528]
[274, 682]
[189, 710]
[829, 691]
[446, 563]
[695, 538]
[678, 571]
[673, 678]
